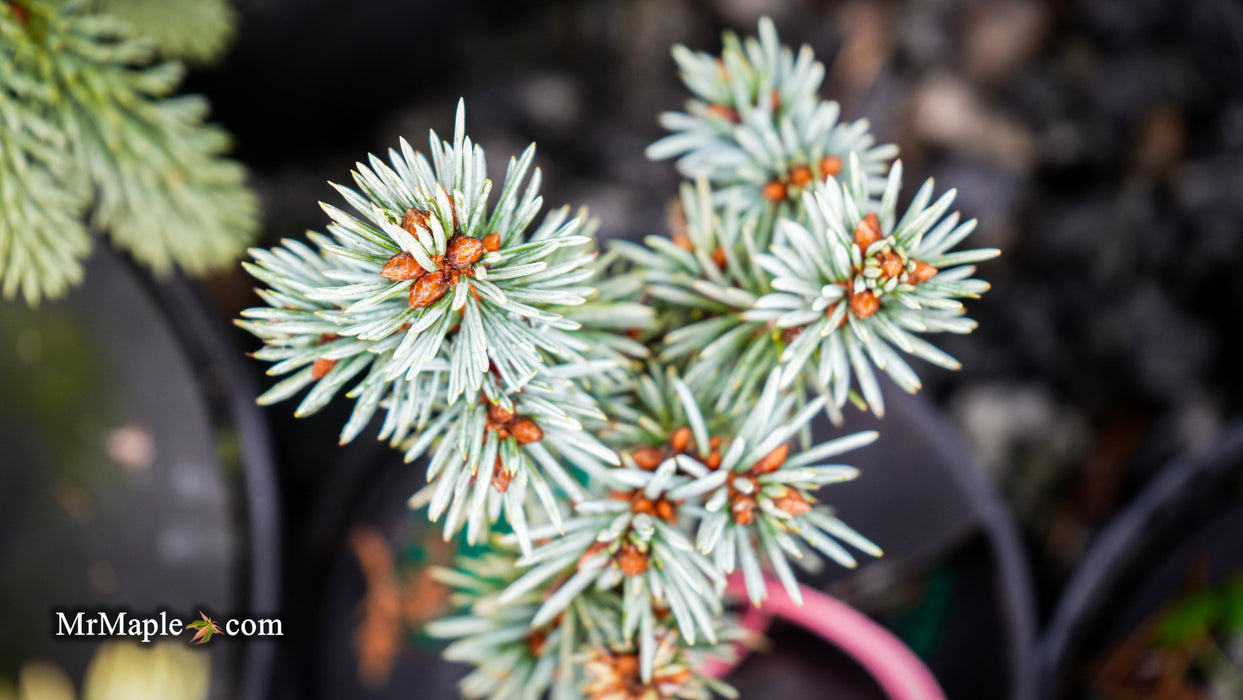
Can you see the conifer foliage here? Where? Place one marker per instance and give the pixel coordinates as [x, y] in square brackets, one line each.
[92, 139]
[623, 432]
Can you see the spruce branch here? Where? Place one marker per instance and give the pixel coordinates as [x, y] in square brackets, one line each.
[702, 281]
[757, 128]
[619, 672]
[629, 540]
[623, 431]
[512, 659]
[171, 198]
[603, 352]
[427, 253]
[738, 477]
[825, 307]
[856, 281]
[428, 278]
[582, 652]
[145, 166]
[42, 237]
[195, 30]
[682, 467]
[451, 317]
[489, 457]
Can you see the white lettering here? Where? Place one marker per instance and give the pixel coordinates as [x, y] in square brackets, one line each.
[64, 628]
[117, 626]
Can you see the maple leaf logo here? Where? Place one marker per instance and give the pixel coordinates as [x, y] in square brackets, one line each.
[206, 628]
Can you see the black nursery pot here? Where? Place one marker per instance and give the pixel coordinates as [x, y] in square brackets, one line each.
[921, 497]
[135, 472]
[1188, 519]
[954, 582]
[417, 669]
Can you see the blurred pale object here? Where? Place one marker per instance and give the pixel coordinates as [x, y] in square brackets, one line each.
[120, 671]
[41, 680]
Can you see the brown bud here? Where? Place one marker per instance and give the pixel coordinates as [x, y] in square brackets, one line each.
[322, 366]
[402, 267]
[631, 560]
[830, 166]
[718, 257]
[864, 303]
[789, 334]
[414, 220]
[680, 240]
[627, 666]
[922, 273]
[868, 231]
[681, 439]
[499, 414]
[772, 461]
[21, 14]
[642, 505]
[774, 191]
[743, 508]
[491, 242]
[525, 431]
[327, 338]
[648, 458]
[800, 175]
[792, 502]
[714, 460]
[677, 678]
[714, 442]
[776, 99]
[500, 477]
[722, 112]
[890, 264]
[463, 251]
[593, 550]
[536, 643]
[427, 289]
[666, 512]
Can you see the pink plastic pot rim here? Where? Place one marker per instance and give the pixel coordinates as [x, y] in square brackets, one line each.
[896, 669]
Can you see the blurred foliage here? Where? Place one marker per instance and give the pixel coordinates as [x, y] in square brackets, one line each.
[1203, 614]
[195, 30]
[93, 140]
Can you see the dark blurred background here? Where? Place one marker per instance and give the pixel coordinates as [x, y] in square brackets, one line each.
[1098, 142]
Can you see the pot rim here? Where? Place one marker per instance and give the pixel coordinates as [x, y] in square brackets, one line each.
[229, 391]
[1107, 558]
[1013, 581]
[895, 668]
